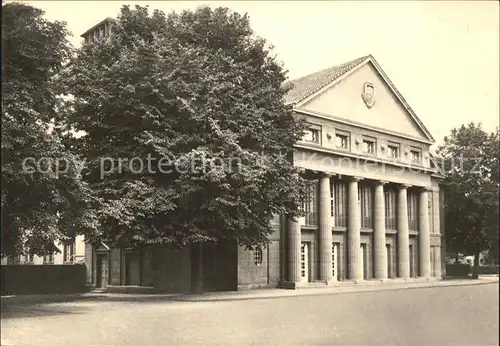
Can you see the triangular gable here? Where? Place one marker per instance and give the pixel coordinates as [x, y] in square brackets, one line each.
[102, 247]
[342, 98]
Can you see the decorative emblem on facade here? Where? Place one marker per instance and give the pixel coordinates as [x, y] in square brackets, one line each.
[368, 94]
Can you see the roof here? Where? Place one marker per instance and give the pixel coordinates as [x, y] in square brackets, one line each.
[304, 88]
[108, 19]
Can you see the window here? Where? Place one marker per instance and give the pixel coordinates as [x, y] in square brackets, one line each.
[368, 146]
[340, 208]
[102, 31]
[312, 135]
[342, 140]
[393, 151]
[310, 207]
[332, 199]
[257, 256]
[13, 259]
[412, 211]
[390, 209]
[415, 156]
[366, 198]
[48, 259]
[431, 211]
[28, 258]
[69, 251]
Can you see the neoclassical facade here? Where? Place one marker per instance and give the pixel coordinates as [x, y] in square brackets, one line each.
[375, 211]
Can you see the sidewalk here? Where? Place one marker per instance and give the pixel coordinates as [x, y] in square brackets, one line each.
[329, 290]
[340, 288]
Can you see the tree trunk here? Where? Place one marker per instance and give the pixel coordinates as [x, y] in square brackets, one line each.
[196, 268]
[475, 268]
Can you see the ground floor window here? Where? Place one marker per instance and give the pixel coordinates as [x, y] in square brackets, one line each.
[49, 258]
[257, 256]
[69, 251]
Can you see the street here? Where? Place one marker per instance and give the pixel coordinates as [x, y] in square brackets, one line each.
[461, 315]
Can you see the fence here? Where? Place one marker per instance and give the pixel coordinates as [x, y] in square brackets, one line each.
[457, 270]
[42, 279]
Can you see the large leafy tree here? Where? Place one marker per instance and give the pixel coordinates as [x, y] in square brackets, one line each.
[471, 157]
[38, 205]
[197, 100]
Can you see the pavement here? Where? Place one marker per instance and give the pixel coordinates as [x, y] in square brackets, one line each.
[455, 312]
[339, 288]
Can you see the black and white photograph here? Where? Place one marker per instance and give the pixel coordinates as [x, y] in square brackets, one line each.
[250, 173]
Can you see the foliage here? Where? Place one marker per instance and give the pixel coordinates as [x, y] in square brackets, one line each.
[183, 93]
[37, 205]
[472, 189]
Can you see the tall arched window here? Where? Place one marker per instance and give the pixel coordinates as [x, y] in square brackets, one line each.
[257, 256]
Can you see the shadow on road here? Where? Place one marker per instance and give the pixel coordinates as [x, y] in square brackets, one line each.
[39, 310]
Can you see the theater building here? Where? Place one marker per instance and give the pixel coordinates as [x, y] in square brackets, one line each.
[375, 211]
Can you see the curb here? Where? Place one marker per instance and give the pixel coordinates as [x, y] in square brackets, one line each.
[330, 291]
[238, 295]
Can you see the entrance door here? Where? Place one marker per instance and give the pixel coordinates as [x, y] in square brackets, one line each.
[433, 262]
[389, 260]
[133, 268]
[304, 262]
[362, 258]
[412, 261]
[102, 270]
[335, 273]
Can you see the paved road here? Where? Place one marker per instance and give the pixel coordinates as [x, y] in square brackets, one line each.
[462, 315]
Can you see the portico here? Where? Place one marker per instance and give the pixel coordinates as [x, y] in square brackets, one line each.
[363, 259]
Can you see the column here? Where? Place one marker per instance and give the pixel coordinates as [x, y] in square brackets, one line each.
[424, 240]
[325, 230]
[380, 256]
[403, 233]
[293, 251]
[354, 232]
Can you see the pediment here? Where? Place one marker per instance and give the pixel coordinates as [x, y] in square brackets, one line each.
[366, 96]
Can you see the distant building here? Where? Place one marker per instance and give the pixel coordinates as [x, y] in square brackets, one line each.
[376, 211]
[99, 31]
[71, 251]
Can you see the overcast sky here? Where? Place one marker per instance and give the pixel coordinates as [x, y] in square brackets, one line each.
[442, 56]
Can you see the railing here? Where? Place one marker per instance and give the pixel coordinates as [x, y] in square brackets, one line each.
[75, 259]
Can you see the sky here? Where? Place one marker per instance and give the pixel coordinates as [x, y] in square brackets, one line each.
[443, 56]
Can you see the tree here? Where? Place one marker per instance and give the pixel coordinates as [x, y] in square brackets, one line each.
[197, 99]
[39, 203]
[470, 156]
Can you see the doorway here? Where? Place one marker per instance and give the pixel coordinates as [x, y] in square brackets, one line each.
[389, 261]
[102, 270]
[304, 262]
[335, 251]
[363, 266]
[412, 261]
[133, 268]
